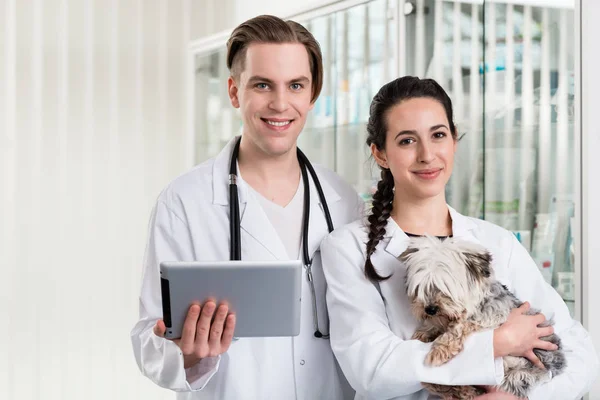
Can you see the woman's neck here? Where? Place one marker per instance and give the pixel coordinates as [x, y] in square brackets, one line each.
[423, 216]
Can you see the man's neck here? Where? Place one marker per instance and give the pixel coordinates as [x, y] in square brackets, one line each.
[274, 177]
[419, 216]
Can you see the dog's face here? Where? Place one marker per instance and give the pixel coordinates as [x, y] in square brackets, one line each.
[445, 279]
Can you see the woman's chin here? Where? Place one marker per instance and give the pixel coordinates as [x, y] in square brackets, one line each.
[429, 194]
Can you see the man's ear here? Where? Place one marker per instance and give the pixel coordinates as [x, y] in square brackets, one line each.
[232, 90]
[379, 156]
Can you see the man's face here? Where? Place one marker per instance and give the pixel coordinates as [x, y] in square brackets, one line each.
[273, 93]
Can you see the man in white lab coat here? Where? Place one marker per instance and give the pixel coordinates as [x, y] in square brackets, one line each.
[276, 76]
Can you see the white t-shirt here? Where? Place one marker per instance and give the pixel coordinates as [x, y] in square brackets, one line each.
[287, 220]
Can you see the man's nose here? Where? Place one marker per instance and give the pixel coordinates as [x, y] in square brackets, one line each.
[279, 101]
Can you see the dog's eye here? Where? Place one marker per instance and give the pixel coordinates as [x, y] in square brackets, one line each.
[431, 310]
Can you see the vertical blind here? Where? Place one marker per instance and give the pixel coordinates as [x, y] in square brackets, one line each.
[93, 124]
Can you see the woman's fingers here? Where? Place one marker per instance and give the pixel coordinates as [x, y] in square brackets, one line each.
[545, 331]
[539, 319]
[530, 355]
[545, 345]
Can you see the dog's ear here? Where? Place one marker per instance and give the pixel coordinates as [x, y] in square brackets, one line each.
[479, 264]
[404, 256]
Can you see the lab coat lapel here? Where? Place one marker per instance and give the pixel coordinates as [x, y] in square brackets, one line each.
[462, 227]
[255, 222]
[398, 240]
[253, 219]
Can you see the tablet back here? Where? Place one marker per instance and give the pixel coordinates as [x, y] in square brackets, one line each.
[265, 296]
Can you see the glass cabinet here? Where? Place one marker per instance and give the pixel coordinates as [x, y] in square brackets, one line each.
[509, 69]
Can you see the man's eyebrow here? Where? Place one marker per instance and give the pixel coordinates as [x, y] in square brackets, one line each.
[257, 78]
[300, 79]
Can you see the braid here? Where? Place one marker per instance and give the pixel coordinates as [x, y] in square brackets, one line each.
[382, 208]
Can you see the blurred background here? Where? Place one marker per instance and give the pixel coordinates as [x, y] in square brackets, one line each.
[102, 103]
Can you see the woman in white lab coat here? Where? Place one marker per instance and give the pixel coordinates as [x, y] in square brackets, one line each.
[274, 84]
[413, 139]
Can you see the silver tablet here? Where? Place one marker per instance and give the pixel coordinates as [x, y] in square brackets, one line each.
[265, 296]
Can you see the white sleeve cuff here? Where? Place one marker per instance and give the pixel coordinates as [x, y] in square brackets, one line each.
[198, 376]
[479, 350]
[499, 366]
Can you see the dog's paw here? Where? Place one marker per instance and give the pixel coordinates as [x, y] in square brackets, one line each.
[422, 336]
[438, 355]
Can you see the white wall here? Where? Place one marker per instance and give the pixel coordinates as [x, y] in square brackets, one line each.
[591, 165]
[212, 16]
[92, 126]
[245, 9]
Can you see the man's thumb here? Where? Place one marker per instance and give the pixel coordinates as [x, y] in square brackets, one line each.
[160, 328]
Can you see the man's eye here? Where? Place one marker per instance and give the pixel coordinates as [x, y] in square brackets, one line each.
[296, 86]
[262, 86]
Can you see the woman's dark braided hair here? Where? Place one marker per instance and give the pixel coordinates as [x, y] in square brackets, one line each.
[391, 94]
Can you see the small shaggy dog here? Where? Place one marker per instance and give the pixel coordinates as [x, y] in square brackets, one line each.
[453, 293]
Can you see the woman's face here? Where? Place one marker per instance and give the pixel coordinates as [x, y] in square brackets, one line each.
[419, 148]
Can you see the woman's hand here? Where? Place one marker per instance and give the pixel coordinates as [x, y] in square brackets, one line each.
[200, 338]
[520, 334]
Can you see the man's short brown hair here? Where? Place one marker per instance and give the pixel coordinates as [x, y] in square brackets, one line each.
[271, 29]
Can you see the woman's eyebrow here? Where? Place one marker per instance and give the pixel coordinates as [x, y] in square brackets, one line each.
[413, 132]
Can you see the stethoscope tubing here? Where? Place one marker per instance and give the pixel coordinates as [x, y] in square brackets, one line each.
[235, 228]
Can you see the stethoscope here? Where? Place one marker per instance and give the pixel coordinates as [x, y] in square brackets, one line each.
[234, 221]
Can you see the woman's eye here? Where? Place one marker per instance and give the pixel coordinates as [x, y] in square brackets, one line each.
[439, 135]
[406, 141]
[296, 86]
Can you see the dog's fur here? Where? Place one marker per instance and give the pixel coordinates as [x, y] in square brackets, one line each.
[454, 281]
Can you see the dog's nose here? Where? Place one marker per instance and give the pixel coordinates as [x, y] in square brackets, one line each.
[431, 310]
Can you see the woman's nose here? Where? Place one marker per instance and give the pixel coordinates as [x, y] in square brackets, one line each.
[425, 154]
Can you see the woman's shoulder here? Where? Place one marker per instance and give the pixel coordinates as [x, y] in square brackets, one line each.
[489, 228]
[491, 235]
[353, 232]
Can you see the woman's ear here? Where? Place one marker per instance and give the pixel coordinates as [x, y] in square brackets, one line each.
[379, 156]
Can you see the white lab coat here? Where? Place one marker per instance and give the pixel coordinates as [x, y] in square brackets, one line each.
[191, 222]
[370, 336]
